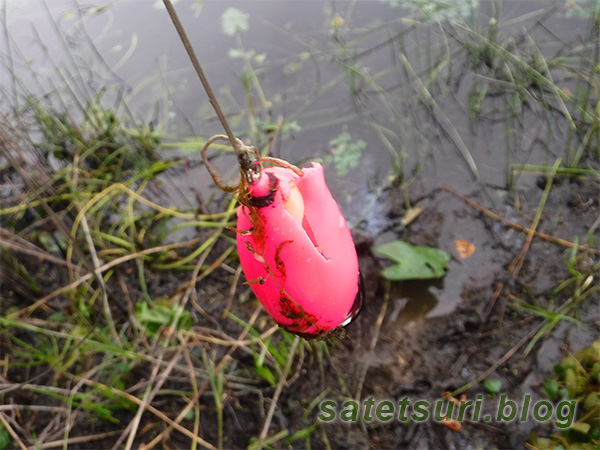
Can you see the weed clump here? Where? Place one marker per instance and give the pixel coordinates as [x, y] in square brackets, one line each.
[576, 377]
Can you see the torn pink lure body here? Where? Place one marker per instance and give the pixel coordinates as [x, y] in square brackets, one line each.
[296, 251]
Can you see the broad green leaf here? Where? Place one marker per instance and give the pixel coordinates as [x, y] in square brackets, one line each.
[234, 20]
[413, 262]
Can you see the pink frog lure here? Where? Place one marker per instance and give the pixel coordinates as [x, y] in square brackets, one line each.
[297, 252]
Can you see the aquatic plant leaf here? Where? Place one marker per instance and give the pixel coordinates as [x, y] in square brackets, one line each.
[197, 8]
[345, 153]
[493, 385]
[234, 20]
[583, 9]
[260, 58]
[438, 10]
[413, 262]
[236, 53]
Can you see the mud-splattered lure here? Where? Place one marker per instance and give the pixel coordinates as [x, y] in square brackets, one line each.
[297, 252]
[294, 244]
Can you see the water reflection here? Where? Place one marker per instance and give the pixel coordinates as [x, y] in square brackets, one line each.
[414, 299]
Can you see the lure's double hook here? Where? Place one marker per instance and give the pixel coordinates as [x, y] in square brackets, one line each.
[248, 160]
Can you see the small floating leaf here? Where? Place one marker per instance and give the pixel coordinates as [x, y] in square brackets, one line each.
[413, 262]
[236, 53]
[345, 153]
[234, 20]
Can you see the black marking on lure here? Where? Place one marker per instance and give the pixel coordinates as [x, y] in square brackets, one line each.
[266, 200]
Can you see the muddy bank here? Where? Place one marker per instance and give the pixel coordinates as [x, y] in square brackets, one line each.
[393, 351]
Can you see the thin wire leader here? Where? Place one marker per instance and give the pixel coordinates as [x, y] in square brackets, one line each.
[248, 157]
[238, 146]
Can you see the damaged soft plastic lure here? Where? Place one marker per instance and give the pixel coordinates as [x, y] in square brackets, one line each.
[297, 252]
[294, 245]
